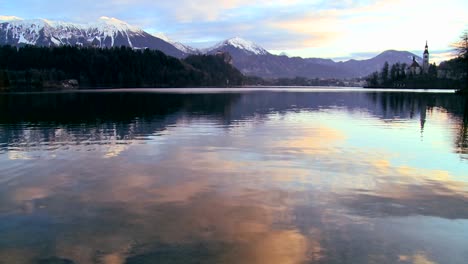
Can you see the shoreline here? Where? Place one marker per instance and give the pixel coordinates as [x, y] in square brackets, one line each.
[235, 89]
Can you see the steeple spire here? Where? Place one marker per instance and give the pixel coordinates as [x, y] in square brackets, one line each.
[426, 59]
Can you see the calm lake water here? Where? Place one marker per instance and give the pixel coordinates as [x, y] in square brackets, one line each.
[234, 176]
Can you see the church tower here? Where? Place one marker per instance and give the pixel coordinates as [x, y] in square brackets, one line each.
[425, 66]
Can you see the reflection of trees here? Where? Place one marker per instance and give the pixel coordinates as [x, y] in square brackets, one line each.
[400, 105]
[102, 117]
[28, 120]
[414, 105]
[462, 137]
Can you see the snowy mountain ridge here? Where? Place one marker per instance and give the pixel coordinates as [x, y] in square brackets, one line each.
[241, 44]
[182, 47]
[60, 33]
[248, 57]
[105, 32]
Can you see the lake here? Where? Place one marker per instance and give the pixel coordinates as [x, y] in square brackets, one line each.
[322, 175]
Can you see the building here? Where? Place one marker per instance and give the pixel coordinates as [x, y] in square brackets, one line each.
[415, 68]
[425, 66]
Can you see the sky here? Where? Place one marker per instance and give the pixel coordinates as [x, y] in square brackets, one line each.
[337, 29]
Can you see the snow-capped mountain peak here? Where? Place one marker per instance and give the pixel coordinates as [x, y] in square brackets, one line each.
[28, 23]
[242, 44]
[185, 48]
[111, 22]
[182, 47]
[105, 32]
[162, 36]
[9, 18]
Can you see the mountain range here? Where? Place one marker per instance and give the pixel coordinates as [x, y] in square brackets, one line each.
[105, 33]
[248, 57]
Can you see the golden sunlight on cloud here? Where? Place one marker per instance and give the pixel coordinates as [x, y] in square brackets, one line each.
[416, 173]
[384, 168]
[15, 255]
[440, 57]
[30, 193]
[396, 181]
[320, 140]
[113, 258]
[19, 155]
[418, 258]
[320, 28]
[246, 229]
[381, 165]
[114, 150]
[281, 247]
[317, 29]
[383, 22]
[180, 192]
[213, 10]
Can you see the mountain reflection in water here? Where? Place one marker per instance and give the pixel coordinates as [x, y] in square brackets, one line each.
[233, 177]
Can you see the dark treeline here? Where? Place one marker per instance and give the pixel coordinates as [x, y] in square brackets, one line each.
[398, 76]
[301, 81]
[34, 68]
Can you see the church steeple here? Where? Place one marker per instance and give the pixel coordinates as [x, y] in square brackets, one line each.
[426, 59]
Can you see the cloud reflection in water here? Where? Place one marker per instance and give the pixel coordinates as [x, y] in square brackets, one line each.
[254, 179]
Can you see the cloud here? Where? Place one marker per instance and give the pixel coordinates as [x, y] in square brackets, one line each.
[299, 27]
[374, 26]
[438, 56]
[432, 199]
[418, 258]
[115, 150]
[357, 56]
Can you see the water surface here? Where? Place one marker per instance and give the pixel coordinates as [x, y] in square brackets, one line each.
[234, 176]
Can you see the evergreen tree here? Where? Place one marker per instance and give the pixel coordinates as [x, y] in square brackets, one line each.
[461, 47]
[4, 81]
[384, 74]
[373, 80]
[394, 73]
[432, 72]
[31, 67]
[403, 71]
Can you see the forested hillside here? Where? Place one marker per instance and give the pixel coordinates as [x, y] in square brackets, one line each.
[36, 68]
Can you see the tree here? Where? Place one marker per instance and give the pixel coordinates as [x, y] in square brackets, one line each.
[403, 71]
[4, 82]
[384, 75]
[432, 70]
[461, 48]
[373, 80]
[34, 67]
[394, 72]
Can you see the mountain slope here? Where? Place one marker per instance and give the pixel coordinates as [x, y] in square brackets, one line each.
[362, 68]
[237, 46]
[252, 59]
[106, 32]
[248, 57]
